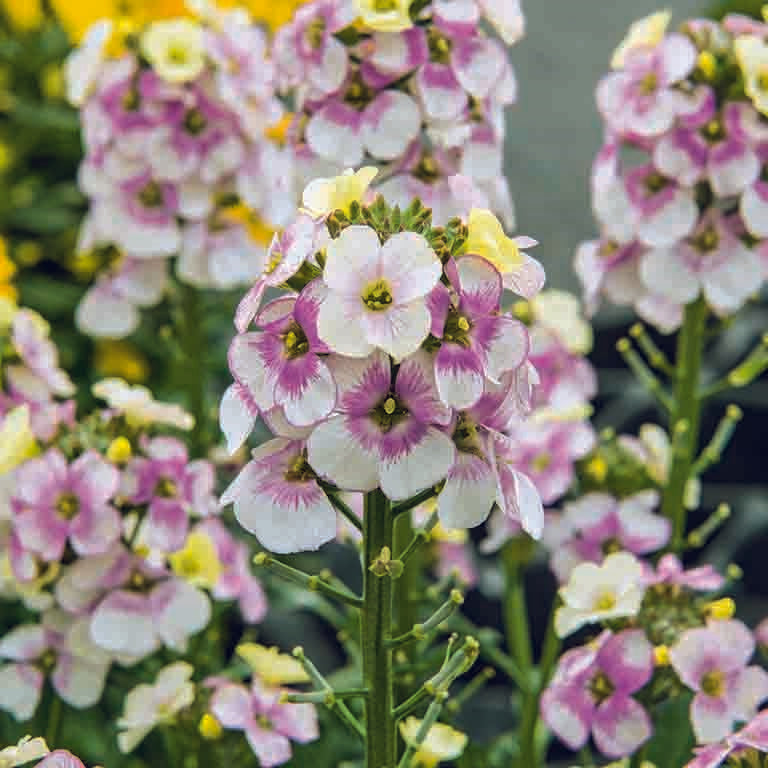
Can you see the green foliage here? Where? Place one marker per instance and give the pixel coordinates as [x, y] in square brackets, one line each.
[672, 741]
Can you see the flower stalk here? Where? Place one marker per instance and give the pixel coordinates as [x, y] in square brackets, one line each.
[685, 417]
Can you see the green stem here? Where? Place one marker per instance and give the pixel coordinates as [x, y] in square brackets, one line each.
[376, 625]
[194, 349]
[519, 645]
[685, 417]
[405, 591]
[54, 721]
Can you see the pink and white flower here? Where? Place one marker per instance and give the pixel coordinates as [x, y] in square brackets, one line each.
[478, 342]
[669, 570]
[269, 726]
[387, 432]
[712, 661]
[377, 293]
[56, 502]
[753, 737]
[591, 692]
[640, 98]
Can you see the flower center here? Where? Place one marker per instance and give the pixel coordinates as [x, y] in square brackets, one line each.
[315, 32]
[601, 687]
[762, 80]
[707, 241]
[177, 54]
[138, 581]
[541, 462]
[195, 122]
[606, 601]
[295, 342]
[131, 101]
[358, 94]
[457, 328]
[264, 723]
[166, 488]
[427, 170]
[713, 683]
[608, 249]
[67, 505]
[655, 183]
[299, 470]
[151, 195]
[47, 661]
[609, 546]
[378, 296]
[439, 47]
[388, 413]
[713, 131]
[649, 84]
[465, 436]
[384, 6]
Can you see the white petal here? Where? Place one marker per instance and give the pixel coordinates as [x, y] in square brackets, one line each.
[391, 122]
[342, 331]
[20, 687]
[333, 453]
[734, 281]
[236, 418]
[754, 211]
[410, 264]
[427, 463]
[671, 223]
[665, 273]
[399, 331]
[351, 260]
[469, 493]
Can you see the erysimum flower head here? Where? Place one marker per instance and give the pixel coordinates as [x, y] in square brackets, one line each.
[388, 365]
[442, 742]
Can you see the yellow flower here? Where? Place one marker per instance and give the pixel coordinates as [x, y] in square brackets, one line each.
[8, 310]
[25, 751]
[721, 609]
[198, 563]
[77, 17]
[258, 230]
[647, 32]
[7, 271]
[270, 12]
[17, 443]
[442, 742]
[752, 55]
[121, 359]
[119, 450]
[274, 668]
[323, 196]
[209, 727]
[661, 656]
[139, 406]
[24, 15]
[487, 238]
[385, 15]
[175, 49]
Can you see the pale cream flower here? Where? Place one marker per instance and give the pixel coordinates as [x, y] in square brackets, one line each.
[752, 55]
[323, 196]
[139, 406]
[147, 706]
[644, 33]
[596, 593]
[175, 49]
[17, 442]
[561, 313]
[442, 742]
[27, 750]
[385, 15]
[270, 666]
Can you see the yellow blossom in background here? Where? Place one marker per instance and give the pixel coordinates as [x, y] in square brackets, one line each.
[175, 49]
[209, 727]
[25, 751]
[323, 196]
[487, 238]
[8, 310]
[442, 742]
[7, 271]
[722, 609]
[274, 668]
[198, 563]
[121, 359]
[17, 443]
[258, 230]
[644, 33]
[385, 15]
[752, 55]
[119, 450]
[139, 407]
[561, 313]
[23, 15]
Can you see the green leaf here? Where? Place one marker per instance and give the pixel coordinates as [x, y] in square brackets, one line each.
[672, 741]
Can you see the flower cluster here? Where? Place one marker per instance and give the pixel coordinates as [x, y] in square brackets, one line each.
[662, 637]
[390, 364]
[417, 88]
[29, 749]
[678, 187]
[112, 540]
[175, 121]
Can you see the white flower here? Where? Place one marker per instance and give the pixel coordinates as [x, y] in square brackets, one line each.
[139, 407]
[323, 196]
[25, 751]
[644, 33]
[442, 742]
[149, 705]
[175, 48]
[84, 65]
[752, 55]
[376, 293]
[598, 592]
[561, 313]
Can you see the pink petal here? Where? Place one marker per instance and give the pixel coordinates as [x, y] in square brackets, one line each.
[620, 726]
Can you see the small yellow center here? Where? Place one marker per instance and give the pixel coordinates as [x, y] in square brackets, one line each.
[661, 656]
[316, 32]
[384, 6]
[541, 462]
[295, 342]
[601, 687]
[151, 196]
[195, 122]
[713, 683]
[649, 84]
[177, 54]
[463, 323]
[166, 488]
[714, 130]
[597, 468]
[209, 727]
[606, 601]
[390, 406]
[119, 450]
[67, 505]
[378, 296]
[762, 80]
[707, 241]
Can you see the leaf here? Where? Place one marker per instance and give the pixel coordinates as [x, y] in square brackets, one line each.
[672, 741]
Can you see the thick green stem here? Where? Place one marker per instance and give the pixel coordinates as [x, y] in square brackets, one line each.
[54, 721]
[685, 418]
[519, 645]
[376, 625]
[406, 589]
[194, 350]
